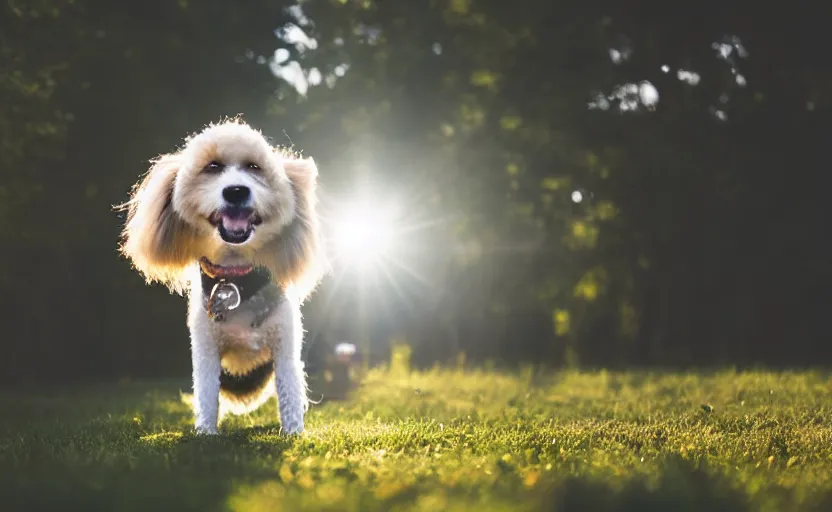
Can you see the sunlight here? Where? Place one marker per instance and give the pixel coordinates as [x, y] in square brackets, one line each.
[376, 245]
[363, 236]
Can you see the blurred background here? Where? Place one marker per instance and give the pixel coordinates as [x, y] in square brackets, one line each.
[616, 184]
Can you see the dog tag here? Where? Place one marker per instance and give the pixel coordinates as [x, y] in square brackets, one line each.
[224, 297]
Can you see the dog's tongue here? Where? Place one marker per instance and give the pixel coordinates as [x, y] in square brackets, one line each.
[235, 224]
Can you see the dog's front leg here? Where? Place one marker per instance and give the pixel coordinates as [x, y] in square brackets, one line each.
[205, 358]
[289, 375]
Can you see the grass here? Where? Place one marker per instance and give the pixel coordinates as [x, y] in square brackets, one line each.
[440, 440]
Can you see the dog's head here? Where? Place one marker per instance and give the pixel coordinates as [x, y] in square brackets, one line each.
[233, 187]
[231, 197]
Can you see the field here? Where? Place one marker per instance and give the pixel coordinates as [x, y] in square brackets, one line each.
[440, 440]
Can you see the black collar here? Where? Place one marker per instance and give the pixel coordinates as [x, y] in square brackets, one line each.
[248, 284]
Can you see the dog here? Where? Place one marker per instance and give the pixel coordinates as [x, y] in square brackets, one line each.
[230, 221]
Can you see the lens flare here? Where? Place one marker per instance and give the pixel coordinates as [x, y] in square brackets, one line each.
[363, 236]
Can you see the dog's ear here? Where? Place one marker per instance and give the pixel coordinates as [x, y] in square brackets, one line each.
[303, 173]
[296, 256]
[156, 239]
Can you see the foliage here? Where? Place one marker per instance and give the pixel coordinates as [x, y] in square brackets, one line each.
[694, 137]
[450, 440]
[499, 112]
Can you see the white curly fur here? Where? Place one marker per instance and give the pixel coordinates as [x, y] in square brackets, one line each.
[172, 222]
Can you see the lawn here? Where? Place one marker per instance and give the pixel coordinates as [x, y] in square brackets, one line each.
[440, 440]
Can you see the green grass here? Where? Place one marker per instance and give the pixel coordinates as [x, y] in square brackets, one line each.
[442, 440]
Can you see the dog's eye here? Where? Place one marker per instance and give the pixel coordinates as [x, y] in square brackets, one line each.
[214, 166]
[251, 166]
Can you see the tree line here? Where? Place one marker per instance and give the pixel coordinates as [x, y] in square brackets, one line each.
[588, 183]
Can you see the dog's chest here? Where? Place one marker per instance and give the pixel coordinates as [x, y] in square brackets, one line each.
[246, 318]
[251, 326]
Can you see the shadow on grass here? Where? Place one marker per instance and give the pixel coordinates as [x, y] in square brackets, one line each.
[680, 486]
[67, 453]
[131, 471]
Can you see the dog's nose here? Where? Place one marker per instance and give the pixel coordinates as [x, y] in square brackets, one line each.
[236, 195]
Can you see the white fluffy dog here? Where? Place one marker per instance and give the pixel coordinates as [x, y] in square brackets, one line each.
[232, 222]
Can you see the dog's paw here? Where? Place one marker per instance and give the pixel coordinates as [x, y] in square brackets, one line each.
[293, 428]
[206, 430]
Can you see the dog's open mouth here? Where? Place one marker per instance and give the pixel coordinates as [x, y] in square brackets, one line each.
[234, 224]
